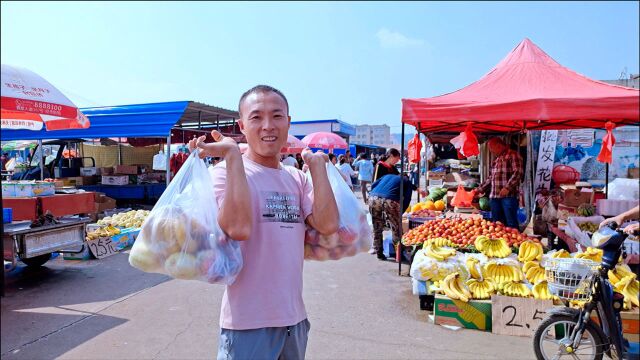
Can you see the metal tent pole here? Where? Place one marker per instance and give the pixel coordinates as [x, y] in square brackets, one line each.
[399, 255]
[41, 159]
[168, 158]
[606, 180]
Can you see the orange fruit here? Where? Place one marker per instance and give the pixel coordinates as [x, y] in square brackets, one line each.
[429, 205]
[439, 205]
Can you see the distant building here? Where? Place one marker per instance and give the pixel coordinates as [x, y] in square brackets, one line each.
[371, 135]
[633, 81]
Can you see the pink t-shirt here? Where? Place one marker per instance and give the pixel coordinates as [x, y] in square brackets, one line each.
[268, 289]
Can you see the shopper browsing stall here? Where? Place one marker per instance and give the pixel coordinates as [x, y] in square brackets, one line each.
[346, 170]
[387, 164]
[384, 201]
[503, 183]
[267, 204]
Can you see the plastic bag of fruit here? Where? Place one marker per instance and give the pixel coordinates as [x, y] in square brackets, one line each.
[354, 234]
[181, 236]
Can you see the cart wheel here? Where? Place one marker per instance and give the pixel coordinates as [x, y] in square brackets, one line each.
[37, 260]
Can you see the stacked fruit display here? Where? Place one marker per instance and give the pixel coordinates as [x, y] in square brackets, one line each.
[424, 213]
[492, 247]
[462, 232]
[625, 282]
[588, 227]
[133, 218]
[107, 231]
[586, 210]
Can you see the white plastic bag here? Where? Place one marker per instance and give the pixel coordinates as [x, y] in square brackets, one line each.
[181, 236]
[160, 161]
[583, 237]
[624, 189]
[354, 232]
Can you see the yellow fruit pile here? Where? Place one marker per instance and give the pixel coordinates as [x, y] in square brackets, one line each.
[515, 289]
[592, 254]
[625, 282]
[502, 273]
[473, 265]
[541, 291]
[107, 231]
[439, 253]
[534, 272]
[561, 254]
[481, 289]
[492, 247]
[529, 251]
[455, 288]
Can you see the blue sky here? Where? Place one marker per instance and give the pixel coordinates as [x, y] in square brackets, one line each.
[353, 61]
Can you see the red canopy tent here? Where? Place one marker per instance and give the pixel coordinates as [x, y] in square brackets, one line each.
[526, 90]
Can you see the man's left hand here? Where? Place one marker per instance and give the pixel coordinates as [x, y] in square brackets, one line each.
[314, 158]
[503, 193]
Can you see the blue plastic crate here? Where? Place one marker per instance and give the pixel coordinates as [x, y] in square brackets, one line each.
[7, 215]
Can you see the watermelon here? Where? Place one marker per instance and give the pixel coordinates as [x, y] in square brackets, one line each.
[484, 204]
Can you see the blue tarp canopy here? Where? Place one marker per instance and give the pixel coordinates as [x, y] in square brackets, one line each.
[140, 120]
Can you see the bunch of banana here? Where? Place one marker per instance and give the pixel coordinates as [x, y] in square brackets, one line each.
[439, 242]
[475, 270]
[492, 247]
[592, 254]
[529, 251]
[481, 289]
[107, 231]
[502, 273]
[577, 303]
[437, 252]
[515, 289]
[541, 291]
[561, 254]
[533, 272]
[629, 287]
[619, 272]
[454, 287]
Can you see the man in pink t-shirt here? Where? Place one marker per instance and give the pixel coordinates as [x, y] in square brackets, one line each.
[266, 206]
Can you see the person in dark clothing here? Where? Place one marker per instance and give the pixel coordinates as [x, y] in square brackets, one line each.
[299, 160]
[384, 201]
[387, 164]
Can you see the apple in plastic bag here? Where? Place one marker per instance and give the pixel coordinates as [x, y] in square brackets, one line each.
[347, 236]
[328, 241]
[181, 266]
[206, 259]
[321, 254]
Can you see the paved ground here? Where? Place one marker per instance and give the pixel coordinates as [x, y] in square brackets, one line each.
[359, 308]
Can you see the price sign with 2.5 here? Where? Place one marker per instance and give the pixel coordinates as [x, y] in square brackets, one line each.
[517, 316]
[102, 247]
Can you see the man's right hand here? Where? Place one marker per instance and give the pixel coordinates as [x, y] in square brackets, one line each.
[222, 146]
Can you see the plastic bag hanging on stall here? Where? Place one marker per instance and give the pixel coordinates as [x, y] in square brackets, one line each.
[181, 236]
[606, 152]
[466, 143]
[414, 147]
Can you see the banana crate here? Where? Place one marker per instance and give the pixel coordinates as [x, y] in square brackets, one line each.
[475, 314]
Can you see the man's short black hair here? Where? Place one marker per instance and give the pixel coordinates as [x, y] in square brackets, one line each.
[262, 89]
[331, 156]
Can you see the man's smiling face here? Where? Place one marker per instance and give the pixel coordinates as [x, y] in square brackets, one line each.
[264, 120]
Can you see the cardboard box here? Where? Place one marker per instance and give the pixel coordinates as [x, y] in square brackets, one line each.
[125, 238]
[106, 171]
[475, 314]
[89, 171]
[58, 183]
[125, 170]
[72, 181]
[564, 212]
[633, 173]
[630, 324]
[115, 180]
[574, 196]
[435, 175]
[104, 203]
[433, 182]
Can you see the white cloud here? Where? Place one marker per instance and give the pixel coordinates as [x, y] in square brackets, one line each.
[393, 39]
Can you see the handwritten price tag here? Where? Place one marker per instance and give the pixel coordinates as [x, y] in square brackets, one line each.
[102, 247]
[517, 316]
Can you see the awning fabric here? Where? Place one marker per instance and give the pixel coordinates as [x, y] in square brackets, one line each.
[150, 120]
[526, 90]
